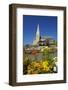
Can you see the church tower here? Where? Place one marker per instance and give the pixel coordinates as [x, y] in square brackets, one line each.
[37, 38]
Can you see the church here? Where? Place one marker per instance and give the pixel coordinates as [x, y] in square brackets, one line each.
[42, 40]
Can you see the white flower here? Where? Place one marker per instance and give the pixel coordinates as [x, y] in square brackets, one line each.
[55, 68]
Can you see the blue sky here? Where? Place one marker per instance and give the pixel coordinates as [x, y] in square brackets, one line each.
[47, 25]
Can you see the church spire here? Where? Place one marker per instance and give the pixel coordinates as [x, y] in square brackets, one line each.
[37, 38]
[38, 32]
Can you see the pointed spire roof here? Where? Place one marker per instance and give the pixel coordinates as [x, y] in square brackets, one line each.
[38, 32]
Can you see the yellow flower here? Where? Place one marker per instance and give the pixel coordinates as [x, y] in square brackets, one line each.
[42, 50]
[46, 69]
[46, 46]
[45, 63]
